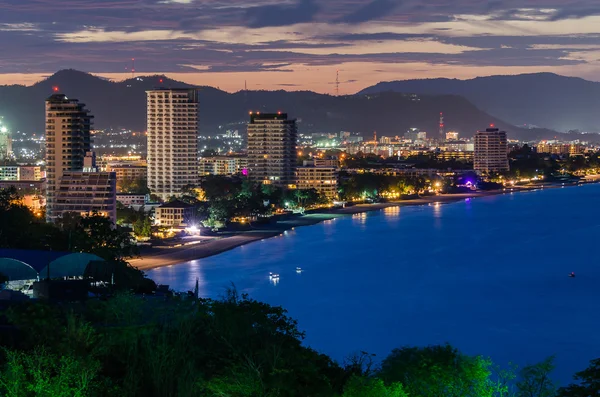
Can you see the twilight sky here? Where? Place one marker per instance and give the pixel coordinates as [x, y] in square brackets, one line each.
[298, 44]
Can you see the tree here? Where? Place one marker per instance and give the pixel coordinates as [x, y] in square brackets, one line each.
[588, 382]
[535, 380]
[438, 371]
[372, 387]
[42, 374]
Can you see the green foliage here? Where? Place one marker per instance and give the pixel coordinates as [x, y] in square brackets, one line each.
[588, 382]
[535, 380]
[42, 374]
[133, 186]
[372, 387]
[438, 371]
[372, 186]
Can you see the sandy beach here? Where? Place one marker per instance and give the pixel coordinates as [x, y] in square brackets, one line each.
[158, 257]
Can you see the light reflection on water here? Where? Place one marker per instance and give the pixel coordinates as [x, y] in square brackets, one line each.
[488, 275]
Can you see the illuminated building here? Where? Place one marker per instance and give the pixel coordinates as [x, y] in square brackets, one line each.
[272, 149]
[85, 193]
[172, 140]
[451, 136]
[326, 162]
[559, 148]
[129, 200]
[106, 160]
[68, 139]
[491, 151]
[126, 171]
[5, 142]
[174, 214]
[20, 173]
[222, 165]
[456, 155]
[322, 179]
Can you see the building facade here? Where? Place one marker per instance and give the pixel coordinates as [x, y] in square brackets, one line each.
[456, 155]
[172, 140]
[85, 193]
[491, 151]
[323, 179]
[129, 200]
[5, 143]
[272, 149]
[20, 173]
[174, 214]
[68, 138]
[222, 165]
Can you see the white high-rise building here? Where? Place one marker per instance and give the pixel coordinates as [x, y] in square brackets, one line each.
[491, 151]
[172, 140]
[5, 142]
[68, 139]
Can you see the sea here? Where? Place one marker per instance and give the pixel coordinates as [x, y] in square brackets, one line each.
[488, 275]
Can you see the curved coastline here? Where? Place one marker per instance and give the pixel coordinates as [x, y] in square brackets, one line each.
[161, 257]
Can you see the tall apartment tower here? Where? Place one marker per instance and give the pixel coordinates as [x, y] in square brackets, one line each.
[68, 139]
[491, 151]
[272, 149]
[5, 142]
[172, 140]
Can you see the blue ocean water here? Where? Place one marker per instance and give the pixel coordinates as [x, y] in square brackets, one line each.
[488, 275]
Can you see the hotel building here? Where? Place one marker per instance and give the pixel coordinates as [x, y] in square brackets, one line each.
[272, 149]
[68, 139]
[491, 151]
[172, 140]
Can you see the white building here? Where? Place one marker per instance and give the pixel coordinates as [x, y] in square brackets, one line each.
[322, 179]
[20, 173]
[5, 142]
[222, 165]
[129, 200]
[172, 140]
[491, 151]
[68, 138]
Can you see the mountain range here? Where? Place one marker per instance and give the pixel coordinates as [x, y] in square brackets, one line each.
[379, 108]
[543, 99]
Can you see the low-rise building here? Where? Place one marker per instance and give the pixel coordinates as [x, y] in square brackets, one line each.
[128, 171]
[174, 214]
[26, 187]
[85, 193]
[322, 179]
[222, 165]
[129, 200]
[456, 155]
[20, 173]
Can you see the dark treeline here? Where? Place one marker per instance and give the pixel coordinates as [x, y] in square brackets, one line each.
[149, 346]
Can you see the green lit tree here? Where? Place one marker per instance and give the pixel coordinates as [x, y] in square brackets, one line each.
[372, 387]
[438, 371]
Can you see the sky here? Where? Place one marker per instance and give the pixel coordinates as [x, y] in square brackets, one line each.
[298, 44]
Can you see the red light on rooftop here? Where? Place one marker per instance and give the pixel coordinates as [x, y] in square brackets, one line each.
[55, 88]
[160, 81]
[492, 125]
[278, 112]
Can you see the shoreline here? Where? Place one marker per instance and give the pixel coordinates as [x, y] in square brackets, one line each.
[164, 257]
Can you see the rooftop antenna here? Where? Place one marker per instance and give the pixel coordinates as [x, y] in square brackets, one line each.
[245, 85]
[337, 82]
[442, 136]
[132, 68]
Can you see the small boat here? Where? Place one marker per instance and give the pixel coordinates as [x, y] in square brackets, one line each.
[298, 270]
[273, 276]
[572, 275]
